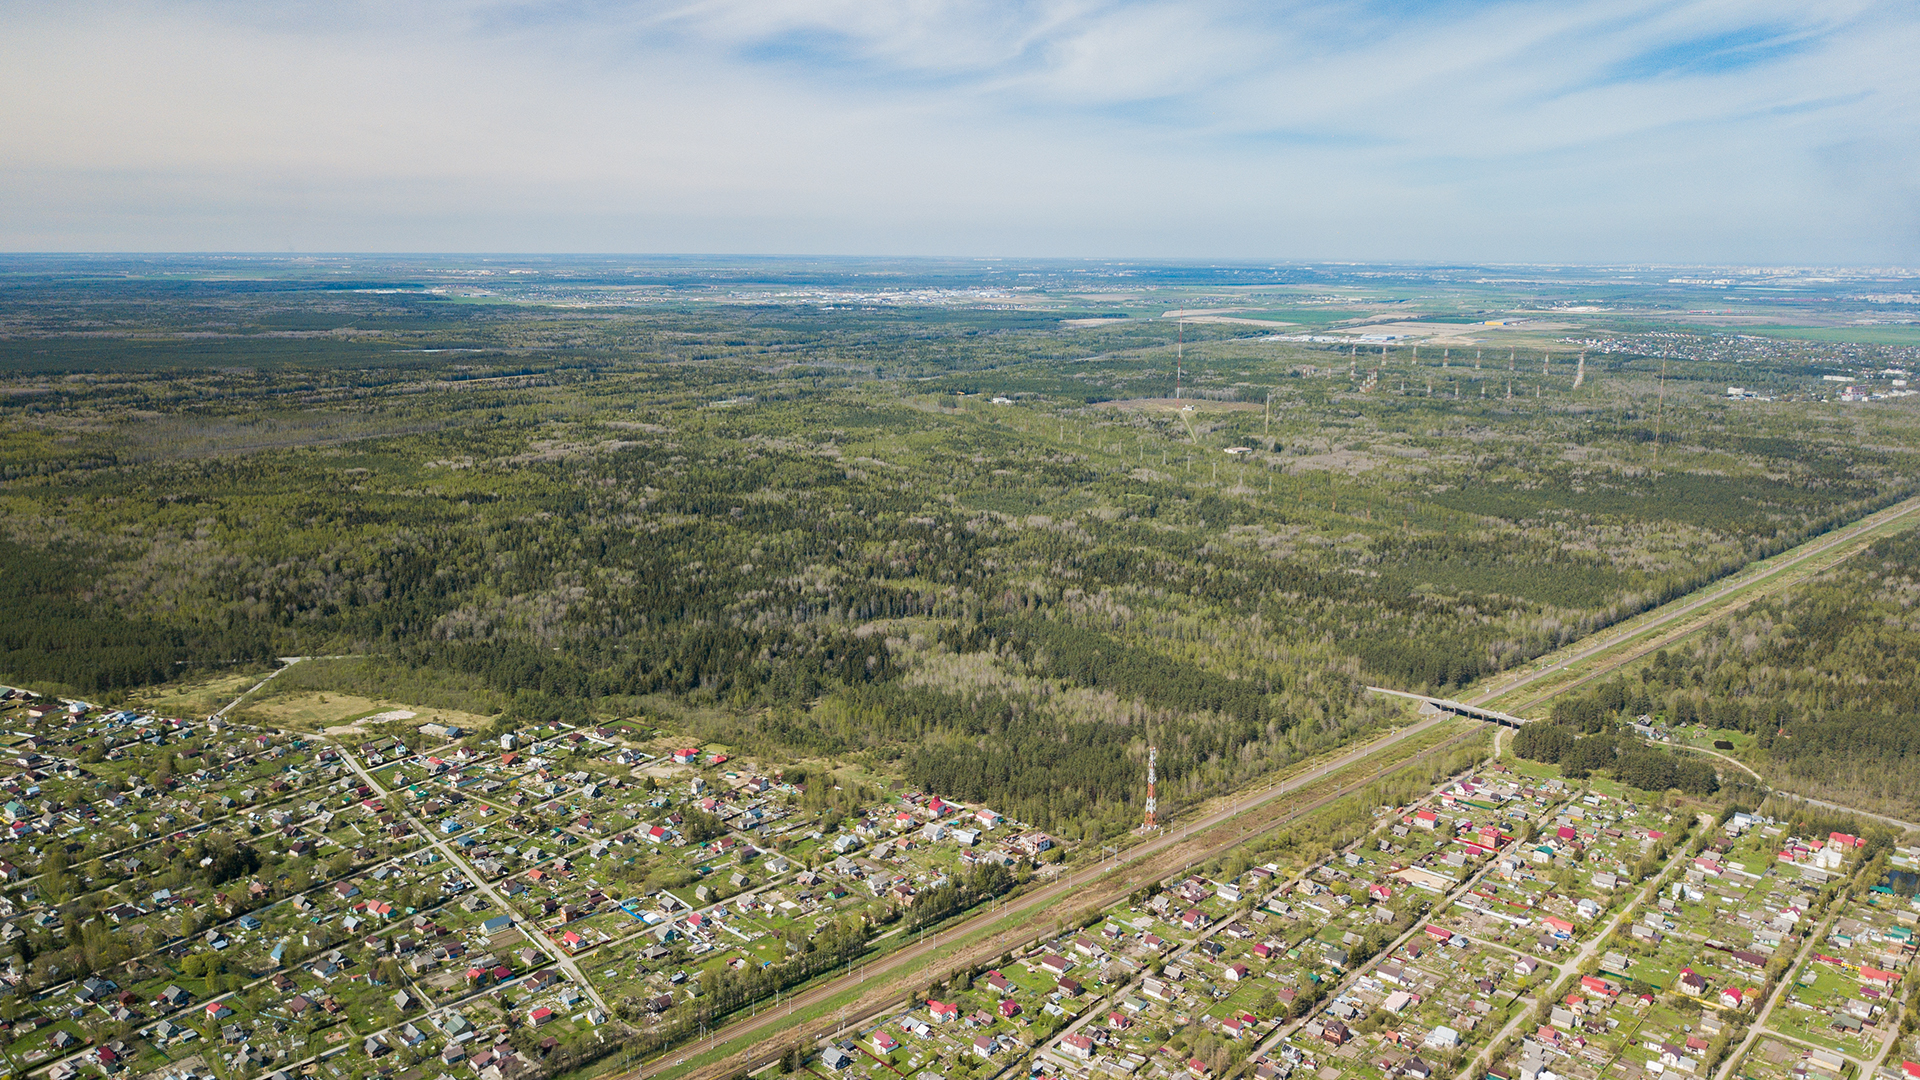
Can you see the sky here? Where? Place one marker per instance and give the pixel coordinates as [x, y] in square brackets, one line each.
[1711, 132]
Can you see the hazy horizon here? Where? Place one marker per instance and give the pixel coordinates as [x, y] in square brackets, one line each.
[1692, 134]
[726, 259]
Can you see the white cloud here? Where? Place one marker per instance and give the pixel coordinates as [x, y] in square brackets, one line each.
[1703, 131]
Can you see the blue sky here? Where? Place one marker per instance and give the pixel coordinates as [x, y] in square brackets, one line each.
[1712, 132]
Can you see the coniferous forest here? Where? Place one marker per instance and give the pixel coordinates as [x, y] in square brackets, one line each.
[956, 527]
[1817, 685]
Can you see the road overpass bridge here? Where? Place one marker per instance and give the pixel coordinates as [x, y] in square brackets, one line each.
[1456, 708]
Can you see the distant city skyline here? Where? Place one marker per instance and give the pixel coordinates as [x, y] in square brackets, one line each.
[1685, 133]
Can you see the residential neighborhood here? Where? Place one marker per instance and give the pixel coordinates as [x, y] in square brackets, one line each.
[200, 896]
[208, 898]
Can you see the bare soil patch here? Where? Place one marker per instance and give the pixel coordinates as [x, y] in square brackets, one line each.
[1233, 319]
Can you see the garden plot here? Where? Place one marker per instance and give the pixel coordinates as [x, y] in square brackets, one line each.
[1664, 1036]
[1846, 992]
[1423, 1006]
[977, 1025]
[1779, 1059]
[1464, 985]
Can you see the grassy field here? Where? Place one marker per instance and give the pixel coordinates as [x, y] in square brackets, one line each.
[316, 711]
[1878, 335]
[197, 697]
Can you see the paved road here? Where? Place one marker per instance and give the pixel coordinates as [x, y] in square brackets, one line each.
[1081, 880]
[1094, 1008]
[1683, 607]
[454, 858]
[1065, 889]
[1439, 909]
[1554, 664]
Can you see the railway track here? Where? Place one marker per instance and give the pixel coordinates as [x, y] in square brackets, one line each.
[1205, 838]
[896, 976]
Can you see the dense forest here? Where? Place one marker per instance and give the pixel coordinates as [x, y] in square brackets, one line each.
[1820, 682]
[1629, 759]
[809, 530]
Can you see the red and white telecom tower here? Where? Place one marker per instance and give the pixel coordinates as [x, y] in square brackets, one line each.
[1152, 804]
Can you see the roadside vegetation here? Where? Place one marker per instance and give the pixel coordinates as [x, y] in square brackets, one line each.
[809, 530]
[1812, 688]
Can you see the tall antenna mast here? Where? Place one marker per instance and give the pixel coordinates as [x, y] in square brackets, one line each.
[1153, 804]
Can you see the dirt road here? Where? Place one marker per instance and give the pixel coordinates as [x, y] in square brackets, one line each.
[1076, 894]
[1097, 885]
